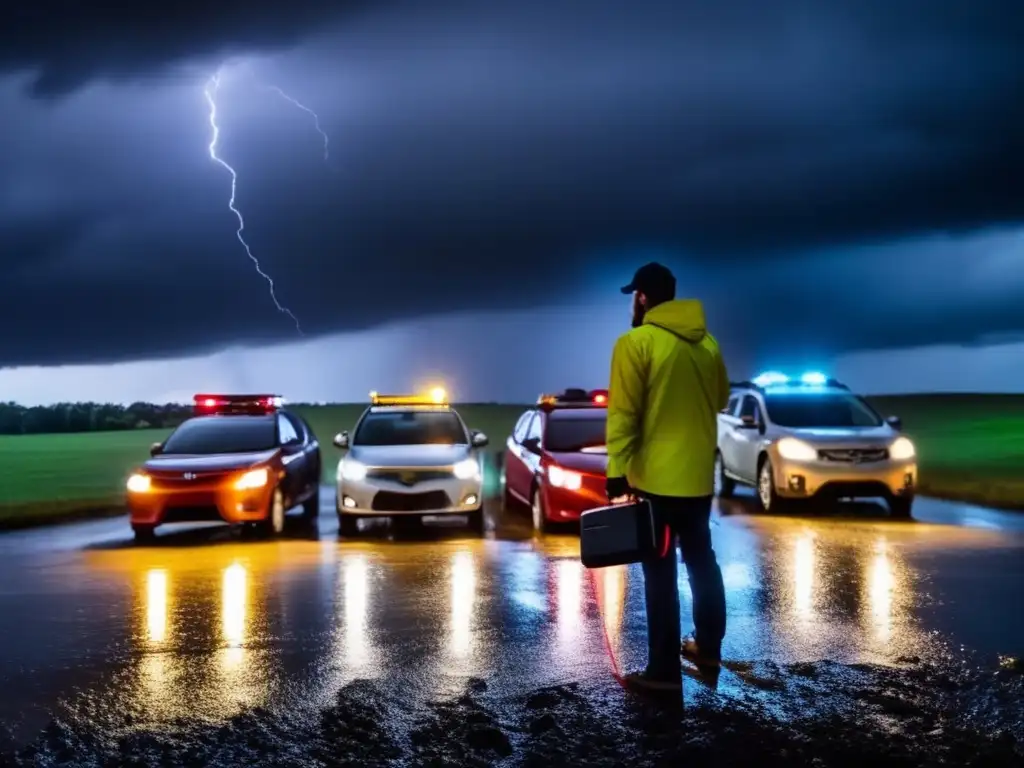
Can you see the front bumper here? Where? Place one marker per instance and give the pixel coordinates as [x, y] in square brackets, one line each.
[566, 506]
[158, 506]
[804, 479]
[388, 498]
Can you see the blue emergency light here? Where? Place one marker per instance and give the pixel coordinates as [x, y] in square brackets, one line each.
[808, 379]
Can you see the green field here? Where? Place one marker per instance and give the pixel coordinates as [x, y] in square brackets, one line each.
[971, 447]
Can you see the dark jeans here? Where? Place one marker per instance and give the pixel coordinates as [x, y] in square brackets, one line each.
[689, 523]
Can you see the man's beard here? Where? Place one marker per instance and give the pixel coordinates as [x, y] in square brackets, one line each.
[638, 312]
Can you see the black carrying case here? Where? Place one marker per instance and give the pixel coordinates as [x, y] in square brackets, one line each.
[620, 534]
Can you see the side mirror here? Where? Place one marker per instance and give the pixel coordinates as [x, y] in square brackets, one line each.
[747, 422]
[155, 449]
[479, 439]
[895, 422]
[341, 440]
[532, 444]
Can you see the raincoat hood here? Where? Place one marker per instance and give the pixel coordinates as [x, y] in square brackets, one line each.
[684, 317]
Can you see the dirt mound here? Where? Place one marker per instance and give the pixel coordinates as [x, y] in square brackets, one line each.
[764, 715]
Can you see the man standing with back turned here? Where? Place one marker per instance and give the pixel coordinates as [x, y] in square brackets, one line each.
[668, 383]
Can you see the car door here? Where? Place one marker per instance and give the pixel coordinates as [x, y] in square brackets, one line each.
[517, 472]
[746, 440]
[311, 448]
[726, 440]
[293, 457]
[532, 449]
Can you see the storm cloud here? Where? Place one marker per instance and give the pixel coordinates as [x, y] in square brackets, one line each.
[838, 175]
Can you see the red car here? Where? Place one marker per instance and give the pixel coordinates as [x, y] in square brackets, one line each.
[555, 459]
[241, 460]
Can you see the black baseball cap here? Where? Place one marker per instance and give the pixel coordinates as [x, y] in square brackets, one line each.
[652, 278]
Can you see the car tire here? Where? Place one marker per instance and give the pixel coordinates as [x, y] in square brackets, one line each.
[538, 513]
[901, 507]
[476, 521]
[273, 525]
[768, 500]
[311, 507]
[144, 533]
[725, 486]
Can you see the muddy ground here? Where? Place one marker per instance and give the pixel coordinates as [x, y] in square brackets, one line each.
[804, 714]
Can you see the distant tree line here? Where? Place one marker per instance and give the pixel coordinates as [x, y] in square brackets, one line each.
[18, 419]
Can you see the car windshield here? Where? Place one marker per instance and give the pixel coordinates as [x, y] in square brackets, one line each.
[223, 434]
[411, 428]
[570, 434]
[835, 410]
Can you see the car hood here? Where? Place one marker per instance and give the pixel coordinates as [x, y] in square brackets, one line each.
[218, 462]
[866, 436]
[591, 463]
[408, 455]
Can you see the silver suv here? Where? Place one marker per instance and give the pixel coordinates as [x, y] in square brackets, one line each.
[809, 438]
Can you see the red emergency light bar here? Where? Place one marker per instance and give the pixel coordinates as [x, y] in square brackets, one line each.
[206, 404]
[575, 398]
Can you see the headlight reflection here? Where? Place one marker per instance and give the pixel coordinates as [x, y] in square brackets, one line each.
[612, 585]
[804, 576]
[357, 651]
[233, 611]
[881, 582]
[463, 578]
[569, 584]
[156, 606]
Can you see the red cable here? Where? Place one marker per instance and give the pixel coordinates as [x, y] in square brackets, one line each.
[604, 633]
[600, 615]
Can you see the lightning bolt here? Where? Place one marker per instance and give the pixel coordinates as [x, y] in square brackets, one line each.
[314, 115]
[211, 88]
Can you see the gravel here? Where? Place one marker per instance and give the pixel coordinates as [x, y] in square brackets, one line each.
[818, 714]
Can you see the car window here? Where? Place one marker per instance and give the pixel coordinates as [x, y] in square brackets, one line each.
[751, 407]
[836, 410]
[222, 434]
[411, 428]
[535, 427]
[574, 433]
[730, 407]
[302, 427]
[287, 430]
[519, 433]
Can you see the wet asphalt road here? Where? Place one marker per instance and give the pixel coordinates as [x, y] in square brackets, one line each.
[207, 624]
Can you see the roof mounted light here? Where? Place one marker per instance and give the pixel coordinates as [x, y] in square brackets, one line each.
[574, 397]
[770, 378]
[207, 404]
[814, 379]
[437, 397]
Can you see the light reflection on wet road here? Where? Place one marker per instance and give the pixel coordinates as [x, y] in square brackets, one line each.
[203, 624]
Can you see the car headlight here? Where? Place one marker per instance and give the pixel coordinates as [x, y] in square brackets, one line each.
[796, 450]
[467, 469]
[902, 449]
[138, 483]
[253, 479]
[352, 470]
[563, 478]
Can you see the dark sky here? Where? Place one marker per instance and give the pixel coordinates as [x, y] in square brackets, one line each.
[835, 175]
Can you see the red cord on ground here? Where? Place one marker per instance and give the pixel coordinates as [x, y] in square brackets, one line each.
[616, 673]
[604, 633]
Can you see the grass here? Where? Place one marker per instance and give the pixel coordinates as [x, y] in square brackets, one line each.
[971, 448]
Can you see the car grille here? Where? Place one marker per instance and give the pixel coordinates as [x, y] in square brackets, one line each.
[389, 501]
[409, 477]
[854, 455]
[179, 480]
